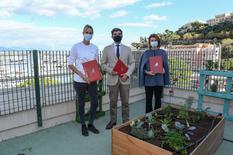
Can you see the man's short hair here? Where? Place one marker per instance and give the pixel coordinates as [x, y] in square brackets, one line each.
[116, 29]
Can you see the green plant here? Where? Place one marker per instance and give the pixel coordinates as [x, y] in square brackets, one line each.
[151, 117]
[184, 111]
[175, 140]
[168, 111]
[184, 114]
[139, 130]
[197, 116]
[165, 123]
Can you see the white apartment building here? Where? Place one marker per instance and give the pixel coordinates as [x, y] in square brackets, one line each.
[220, 18]
[195, 55]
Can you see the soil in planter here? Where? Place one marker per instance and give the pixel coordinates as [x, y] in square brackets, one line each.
[203, 127]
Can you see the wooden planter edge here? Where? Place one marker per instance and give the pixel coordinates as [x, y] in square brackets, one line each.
[125, 144]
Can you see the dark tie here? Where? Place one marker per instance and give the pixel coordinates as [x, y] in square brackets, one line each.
[117, 51]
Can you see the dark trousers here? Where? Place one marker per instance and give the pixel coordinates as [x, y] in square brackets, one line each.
[157, 91]
[82, 89]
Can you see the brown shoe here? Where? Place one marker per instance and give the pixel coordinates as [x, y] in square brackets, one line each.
[110, 125]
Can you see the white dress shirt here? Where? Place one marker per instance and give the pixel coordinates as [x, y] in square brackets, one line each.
[115, 46]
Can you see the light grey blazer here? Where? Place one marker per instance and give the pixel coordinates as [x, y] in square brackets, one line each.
[109, 60]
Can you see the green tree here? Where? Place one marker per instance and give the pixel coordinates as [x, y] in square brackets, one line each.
[136, 45]
[169, 37]
[198, 27]
[227, 64]
[227, 52]
[227, 48]
[188, 36]
[194, 27]
[227, 41]
[142, 43]
[198, 36]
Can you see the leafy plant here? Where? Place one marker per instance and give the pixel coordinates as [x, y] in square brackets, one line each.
[175, 140]
[142, 133]
[151, 117]
[139, 131]
[168, 111]
[187, 131]
[165, 123]
[183, 114]
[184, 111]
[199, 115]
[179, 126]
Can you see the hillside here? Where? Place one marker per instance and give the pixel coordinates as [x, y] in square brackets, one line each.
[197, 32]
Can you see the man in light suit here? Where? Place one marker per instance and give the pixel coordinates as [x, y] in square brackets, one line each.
[117, 84]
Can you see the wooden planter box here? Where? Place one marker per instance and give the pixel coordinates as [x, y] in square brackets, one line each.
[125, 144]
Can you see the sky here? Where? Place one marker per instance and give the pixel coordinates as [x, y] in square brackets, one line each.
[58, 24]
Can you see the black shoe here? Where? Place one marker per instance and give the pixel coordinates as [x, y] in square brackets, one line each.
[84, 130]
[93, 129]
[110, 125]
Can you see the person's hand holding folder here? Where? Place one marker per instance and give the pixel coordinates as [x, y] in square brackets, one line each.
[85, 78]
[114, 73]
[92, 71]
[152, 73]
[120, 68]
[156, 65]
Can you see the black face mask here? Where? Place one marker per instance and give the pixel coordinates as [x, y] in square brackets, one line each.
[117, 38]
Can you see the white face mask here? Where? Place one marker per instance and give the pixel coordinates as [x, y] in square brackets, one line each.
[154, 44]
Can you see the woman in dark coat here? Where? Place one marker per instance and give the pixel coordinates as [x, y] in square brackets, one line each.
[153, 82]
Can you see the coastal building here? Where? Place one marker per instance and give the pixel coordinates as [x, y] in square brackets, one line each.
[220, 18]
[195, 55]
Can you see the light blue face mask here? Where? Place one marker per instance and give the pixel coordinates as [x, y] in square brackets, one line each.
[87, 37]
[154, 44]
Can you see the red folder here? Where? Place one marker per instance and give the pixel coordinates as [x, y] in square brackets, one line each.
[120, 68]
[156, 64]
[91, 68]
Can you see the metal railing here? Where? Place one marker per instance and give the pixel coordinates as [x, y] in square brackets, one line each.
[17, 89]
[15, 68]
[186, 63]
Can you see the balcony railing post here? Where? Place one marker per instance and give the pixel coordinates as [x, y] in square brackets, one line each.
[37, 87]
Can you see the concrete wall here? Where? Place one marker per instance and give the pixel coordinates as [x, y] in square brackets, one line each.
[25, 122]
[180, 95]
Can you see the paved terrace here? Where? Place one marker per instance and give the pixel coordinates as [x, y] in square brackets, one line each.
[66, 139]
